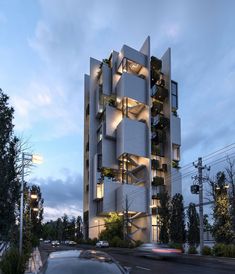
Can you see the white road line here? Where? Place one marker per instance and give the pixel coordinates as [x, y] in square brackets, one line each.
[143, 268]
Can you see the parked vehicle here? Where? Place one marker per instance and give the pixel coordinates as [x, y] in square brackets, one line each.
[102, 244]
[72, 243]
[157, 250]
[82, 262]
[55, 243]
[46, 241]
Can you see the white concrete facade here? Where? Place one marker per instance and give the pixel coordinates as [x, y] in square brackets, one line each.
[132, 139]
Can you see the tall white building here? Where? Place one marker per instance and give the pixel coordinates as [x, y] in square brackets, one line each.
[132, 140]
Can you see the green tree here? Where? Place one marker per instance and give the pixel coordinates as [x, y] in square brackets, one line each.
[79, 234]
[193, 235]
[113, 227]
[177, 219]
[222, 227]
[9, 183]
[164, 217]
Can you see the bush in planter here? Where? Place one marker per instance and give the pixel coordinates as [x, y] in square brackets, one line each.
[192, 250]
[13, 263]
[206, 250]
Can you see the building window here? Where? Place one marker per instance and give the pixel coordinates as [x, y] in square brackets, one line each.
[176, 152]
[174, 95]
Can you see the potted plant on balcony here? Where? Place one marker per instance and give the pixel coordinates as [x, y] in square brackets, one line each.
[158, 181]
[155, 164]
[107, 172]
[175, 164]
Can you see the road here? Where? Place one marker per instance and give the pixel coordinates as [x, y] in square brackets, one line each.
[141, 265]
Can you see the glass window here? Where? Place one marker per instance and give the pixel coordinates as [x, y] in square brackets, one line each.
[174, 95]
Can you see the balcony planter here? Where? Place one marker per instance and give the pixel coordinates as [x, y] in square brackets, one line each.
[158, 137]
[155, 164]
[157, 150]
[161, 122]
[175, 164]
[159, 93]
[156, 108]
[156, 65]
[158, 181]
[107, 172]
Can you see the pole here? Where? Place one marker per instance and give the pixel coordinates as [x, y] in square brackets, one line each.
[21, 205]
[200, 182]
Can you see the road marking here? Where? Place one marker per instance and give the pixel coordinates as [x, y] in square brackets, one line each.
[143, 268]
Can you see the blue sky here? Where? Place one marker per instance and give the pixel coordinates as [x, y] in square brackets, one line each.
[44, 51]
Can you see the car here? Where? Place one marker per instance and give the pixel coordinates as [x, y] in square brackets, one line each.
[55, 243]
[102, 244]
[46, 241]
[72, 243]
[157, 250]
[82, 262]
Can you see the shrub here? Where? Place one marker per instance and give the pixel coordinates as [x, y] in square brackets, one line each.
[229, 251]
[138, 243]
[219, 249]
[206, 250]
[13, 263]
[192, 250]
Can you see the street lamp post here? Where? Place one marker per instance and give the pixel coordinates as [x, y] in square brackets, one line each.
[35, 159]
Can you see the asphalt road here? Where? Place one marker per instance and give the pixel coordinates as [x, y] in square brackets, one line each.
[183, 265]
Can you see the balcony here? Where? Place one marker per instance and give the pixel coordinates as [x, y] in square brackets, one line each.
[158, 181]
[156, 108]
[157, 150]
[159, 93]
[132, 86]
[160, 122]
[131, 138]
[157, 166]
[158, 137]
[137, 203]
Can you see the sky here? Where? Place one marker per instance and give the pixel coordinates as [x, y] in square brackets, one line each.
[45, 46]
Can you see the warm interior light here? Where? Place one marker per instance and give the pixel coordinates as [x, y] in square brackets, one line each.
[34, 196]
[35, 209]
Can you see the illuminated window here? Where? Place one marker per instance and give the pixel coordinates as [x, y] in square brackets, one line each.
[100, 191]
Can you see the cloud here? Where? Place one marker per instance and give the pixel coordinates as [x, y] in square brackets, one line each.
[61, 195]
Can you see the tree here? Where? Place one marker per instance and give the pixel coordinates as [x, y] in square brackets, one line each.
[222, 227]
[79, 234]
[193, 236]
[164, 217]
[113, 227]
[177, 219]
[230, 172]
[9, 182]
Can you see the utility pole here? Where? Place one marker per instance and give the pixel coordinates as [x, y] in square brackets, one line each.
[200, 179]
[21, 205]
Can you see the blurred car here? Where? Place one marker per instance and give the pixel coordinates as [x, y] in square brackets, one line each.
[55, 243]
[46, 241]
[72, 243]
[157, 250]
[102, 244]
[82, 262]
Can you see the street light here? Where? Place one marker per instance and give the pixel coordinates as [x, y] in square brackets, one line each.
[34, 159]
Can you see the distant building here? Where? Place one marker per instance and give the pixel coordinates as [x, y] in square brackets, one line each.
[132, 139]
